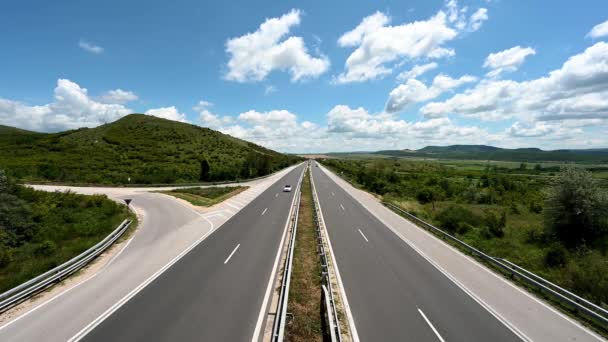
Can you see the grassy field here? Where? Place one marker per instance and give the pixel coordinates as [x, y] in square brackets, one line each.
[305, 291]
[40, 230]
[137, 149]
[498, 208]
[206, 197]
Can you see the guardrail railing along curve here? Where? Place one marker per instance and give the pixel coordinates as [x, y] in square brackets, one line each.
[33, 286]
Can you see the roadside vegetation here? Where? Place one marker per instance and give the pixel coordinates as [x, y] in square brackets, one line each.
[40, 230]
[136, 149]
[206, 197]
[305, 290]
[553, 222]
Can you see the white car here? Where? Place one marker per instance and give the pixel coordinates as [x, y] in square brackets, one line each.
[287, 188]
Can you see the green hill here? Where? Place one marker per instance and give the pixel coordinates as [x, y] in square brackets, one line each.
[483, 152]
[146, 149]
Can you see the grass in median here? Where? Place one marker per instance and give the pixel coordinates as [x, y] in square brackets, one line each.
[305, 290]
[206, 197]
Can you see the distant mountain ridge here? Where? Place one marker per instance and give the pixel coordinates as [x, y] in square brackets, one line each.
[138, 149]
[485, 152]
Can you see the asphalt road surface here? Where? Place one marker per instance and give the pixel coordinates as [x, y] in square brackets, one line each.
[393, 292]
[215, 292]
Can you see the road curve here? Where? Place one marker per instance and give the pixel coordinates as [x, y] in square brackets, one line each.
[215, 292]
[168, 227]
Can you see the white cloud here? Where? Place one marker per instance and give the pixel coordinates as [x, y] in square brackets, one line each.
[209, 119]
[599, 31]
[118, 96]
[90, 47]
[72, 108]
[578, 90]
[477, 19]
[416, 71]
[367, 26]
[169, 113]
[507, 60]
[254, 55]
[379, 46]
[414, 91]
[269, 89]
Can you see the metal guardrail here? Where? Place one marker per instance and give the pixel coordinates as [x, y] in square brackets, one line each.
[278, 327]
[328, 295]
[24, 291]
[562, 295]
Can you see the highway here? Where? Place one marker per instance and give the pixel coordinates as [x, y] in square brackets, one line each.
[403, 283]
[215, 292]
[393, 292]
[226, 290]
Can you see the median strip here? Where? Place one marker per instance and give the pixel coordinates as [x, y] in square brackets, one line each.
[305, 293]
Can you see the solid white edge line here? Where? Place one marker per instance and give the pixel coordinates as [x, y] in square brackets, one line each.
[264, 212]
[27, 313]
[262, 314]
[232, 205]
[482, 303]
[430, 325]
[366, 240]
[231, 254]
[141, 286]
[349, 314]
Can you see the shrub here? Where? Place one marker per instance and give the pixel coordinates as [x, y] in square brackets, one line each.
[495, 223]
[556, 256]
[576, 208]
[46, 248]
[456, 219]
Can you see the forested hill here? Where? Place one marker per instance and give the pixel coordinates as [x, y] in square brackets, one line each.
[142, 148]
[483, 152]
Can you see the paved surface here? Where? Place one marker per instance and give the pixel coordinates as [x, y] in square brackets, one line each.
[403, 284]
[168, 228]
[387, 282]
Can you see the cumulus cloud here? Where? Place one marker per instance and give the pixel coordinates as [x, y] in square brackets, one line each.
[507, 60]
[599, 31]
[90, 47]
[72, 108]
[255, 55]
[578, 90]
[379, 45]
[414, 91]
[209, 119]
[118, 96]
[358, 123]
[416, 71]
[169, 113]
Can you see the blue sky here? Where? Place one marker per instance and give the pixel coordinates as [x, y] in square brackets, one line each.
[315, 76]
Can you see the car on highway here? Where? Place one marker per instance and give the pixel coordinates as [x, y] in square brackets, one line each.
[287, 188]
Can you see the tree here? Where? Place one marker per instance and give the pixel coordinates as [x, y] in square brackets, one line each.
[430, 194]
[204, 170]
[576, 208]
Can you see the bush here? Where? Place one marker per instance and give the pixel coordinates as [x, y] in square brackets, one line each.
[457, 219]
[576, 208]
[5, 256]
[495, 223]
[46, 248]
[556, 256]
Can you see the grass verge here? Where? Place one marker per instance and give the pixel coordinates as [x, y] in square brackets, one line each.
[206, 197]
[305, 291]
